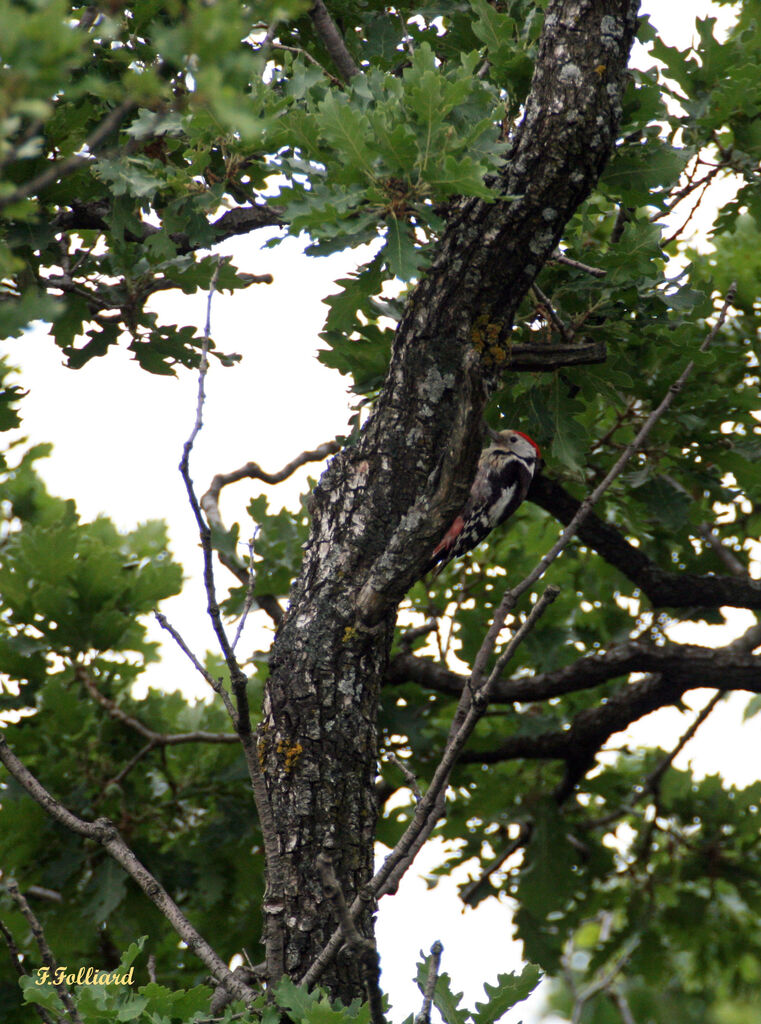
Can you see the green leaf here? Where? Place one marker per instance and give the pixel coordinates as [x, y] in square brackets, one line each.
[509, 989]
[403, 257]
[445, 1000]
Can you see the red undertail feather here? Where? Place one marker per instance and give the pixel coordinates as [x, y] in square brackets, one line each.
[449, 537]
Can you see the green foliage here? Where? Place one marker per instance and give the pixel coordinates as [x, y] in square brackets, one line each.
[73, 599]
[508, 990]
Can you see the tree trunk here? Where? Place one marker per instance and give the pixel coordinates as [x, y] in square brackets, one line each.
[382, 505]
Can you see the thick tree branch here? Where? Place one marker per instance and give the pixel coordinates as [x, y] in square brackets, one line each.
[663, 588]
[238, 221]
[546, 358]
[723, 668]
[333, 41]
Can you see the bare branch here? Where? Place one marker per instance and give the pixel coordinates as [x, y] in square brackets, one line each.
[249, 598]
[424, 1017]
[105, 833]
[546, 358]
[409, 776]
[725, 668]
[39, 892]
[18, 966]
[215, 684]
[411, 635]
[46, 953]
[273, 897]
[210, 504]
[729, 560]
[253, 471]
[308, 57]
[469, 891]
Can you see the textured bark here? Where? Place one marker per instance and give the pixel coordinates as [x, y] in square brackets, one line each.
[381, 505]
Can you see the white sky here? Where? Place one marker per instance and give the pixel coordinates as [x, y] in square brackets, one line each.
[118, 434]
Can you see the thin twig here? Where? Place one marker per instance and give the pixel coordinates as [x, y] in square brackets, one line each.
[45, 951]
[215, 684]
[18, 967]
[106, 834]
[274, 935]
[411, 635]
[155, 739]
[558, 257]
[619, 1001]
[546, 305]
[363, 949]
[61, 168]
[424, 1017]
[652, 781]
[406, 37]
[409, 776]
[727, 558]
[249, 598]
[307, 56]
[470, 890]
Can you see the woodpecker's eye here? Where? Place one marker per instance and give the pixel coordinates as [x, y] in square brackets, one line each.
[513, 439]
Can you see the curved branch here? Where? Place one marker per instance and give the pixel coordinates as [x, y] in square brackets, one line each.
[210, 504]
[105, 832]
[155, 739]
[253, 471]
[663, 588]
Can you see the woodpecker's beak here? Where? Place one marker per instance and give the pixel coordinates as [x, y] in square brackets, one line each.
[492, 433]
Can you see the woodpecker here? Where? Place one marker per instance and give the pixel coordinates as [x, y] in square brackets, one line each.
[504, 475]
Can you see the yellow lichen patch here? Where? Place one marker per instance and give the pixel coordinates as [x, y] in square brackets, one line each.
[261, 745]
[349, 633]
[486, 336]
[290, 753]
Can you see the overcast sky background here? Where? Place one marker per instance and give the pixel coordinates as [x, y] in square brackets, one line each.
[118, 434]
